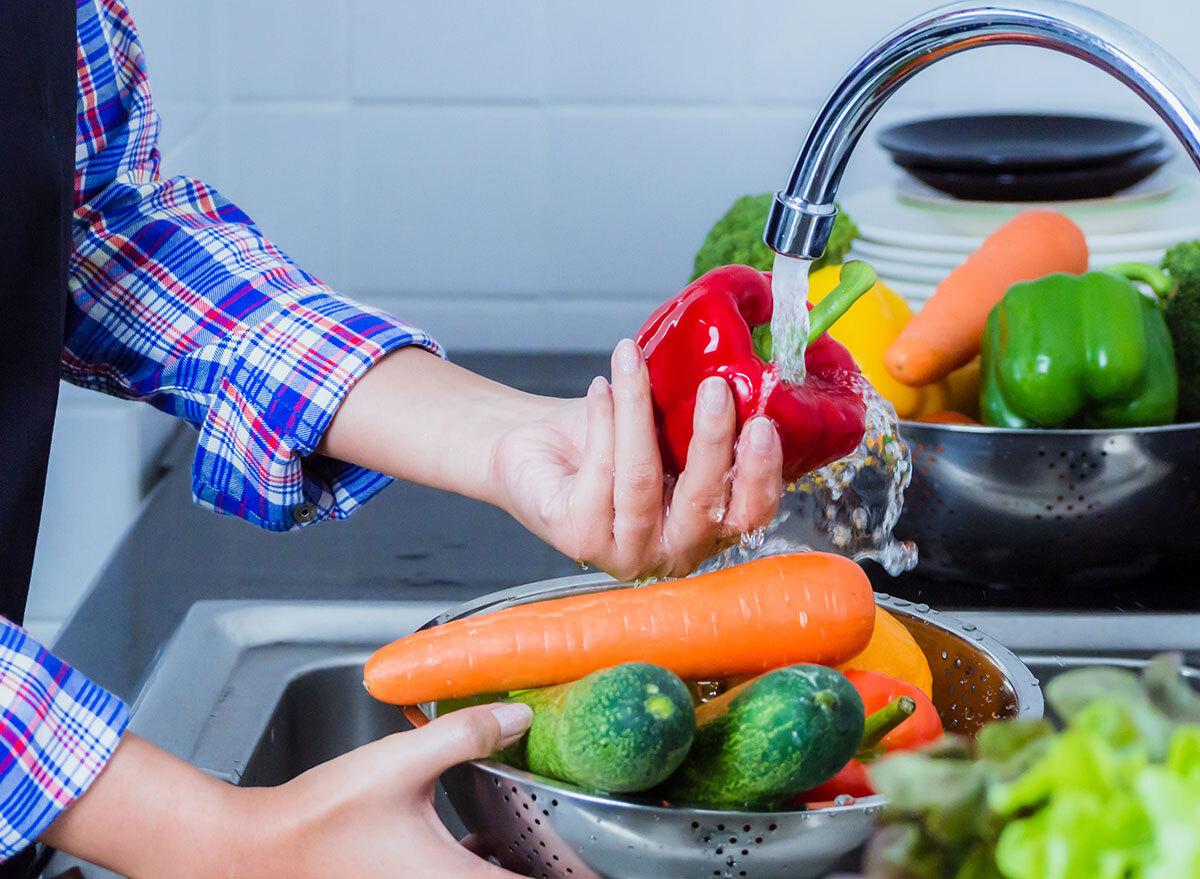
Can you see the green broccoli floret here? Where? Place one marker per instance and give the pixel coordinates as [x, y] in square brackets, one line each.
[1182, 312]
[736, 238]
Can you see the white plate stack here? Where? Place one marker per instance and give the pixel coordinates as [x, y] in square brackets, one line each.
[915, 236]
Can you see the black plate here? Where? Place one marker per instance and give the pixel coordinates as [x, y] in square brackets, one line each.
[1016, 142]
[1041, 186]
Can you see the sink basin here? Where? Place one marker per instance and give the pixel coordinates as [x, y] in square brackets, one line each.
[258, 692]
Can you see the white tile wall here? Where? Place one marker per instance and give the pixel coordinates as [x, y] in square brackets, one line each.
[500, 171]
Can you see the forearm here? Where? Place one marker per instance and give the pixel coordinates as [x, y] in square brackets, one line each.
[419, 418]
[149, 814]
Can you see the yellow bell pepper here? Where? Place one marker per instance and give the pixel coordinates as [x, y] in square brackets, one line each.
[869, 327]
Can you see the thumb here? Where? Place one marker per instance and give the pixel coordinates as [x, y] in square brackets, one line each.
[467, 734]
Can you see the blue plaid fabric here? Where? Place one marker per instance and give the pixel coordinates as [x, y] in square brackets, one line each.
[178, 299]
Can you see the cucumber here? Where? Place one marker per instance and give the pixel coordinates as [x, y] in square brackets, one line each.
[618, 730]
[770, 738]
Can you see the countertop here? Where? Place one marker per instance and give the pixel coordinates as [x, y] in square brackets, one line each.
[409, 542]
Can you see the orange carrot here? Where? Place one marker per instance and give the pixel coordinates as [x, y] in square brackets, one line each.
[807, 607]
[945, 334]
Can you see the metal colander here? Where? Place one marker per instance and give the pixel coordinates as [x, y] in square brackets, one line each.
[1052, 509]
[537, 827]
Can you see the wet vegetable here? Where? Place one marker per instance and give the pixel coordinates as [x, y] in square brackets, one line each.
[766, 740]
[622, 729]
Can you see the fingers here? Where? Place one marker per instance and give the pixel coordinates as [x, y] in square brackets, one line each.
[758, 483]
[638, 488]
[696, 521]
[592, 493]
[469, 734]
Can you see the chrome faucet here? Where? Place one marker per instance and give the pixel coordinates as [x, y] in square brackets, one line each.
[802, 215]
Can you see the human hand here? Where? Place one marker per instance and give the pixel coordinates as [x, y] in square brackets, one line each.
[586, 476]
[366, 815]
[370, 813]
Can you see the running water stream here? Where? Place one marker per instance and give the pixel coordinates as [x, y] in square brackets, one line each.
[850, 506]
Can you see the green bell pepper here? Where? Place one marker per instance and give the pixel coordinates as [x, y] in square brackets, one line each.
[1080, 351]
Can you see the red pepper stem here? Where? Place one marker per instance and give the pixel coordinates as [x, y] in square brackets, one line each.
[884, 721]
[1154, 278]
[856, 279]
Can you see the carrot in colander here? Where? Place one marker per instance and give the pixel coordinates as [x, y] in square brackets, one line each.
[807, 607]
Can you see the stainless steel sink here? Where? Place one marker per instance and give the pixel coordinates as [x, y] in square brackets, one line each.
[258, 692]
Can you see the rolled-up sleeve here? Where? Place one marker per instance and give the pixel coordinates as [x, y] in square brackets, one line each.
[59, 731]
[178, 299]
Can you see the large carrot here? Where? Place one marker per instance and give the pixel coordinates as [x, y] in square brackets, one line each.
[945, 334]
[807, 607]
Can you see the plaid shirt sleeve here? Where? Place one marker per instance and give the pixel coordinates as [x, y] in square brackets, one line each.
[179, 300]
[59, 731]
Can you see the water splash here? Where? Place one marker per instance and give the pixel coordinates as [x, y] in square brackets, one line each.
[849, 507]
[789, 316]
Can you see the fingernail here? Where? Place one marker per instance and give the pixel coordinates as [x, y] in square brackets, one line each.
[599, 386]
[713, 395]
[762, 434]
[628, 356]
[514, 718]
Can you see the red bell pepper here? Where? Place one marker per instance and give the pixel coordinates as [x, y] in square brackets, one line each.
[892, 725]
[878, 690]
[710, 329]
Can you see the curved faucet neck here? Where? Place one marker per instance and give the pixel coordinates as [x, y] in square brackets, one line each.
[802, 215]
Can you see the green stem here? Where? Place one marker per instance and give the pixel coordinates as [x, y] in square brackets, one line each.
[1153, 277]
[856, 278]
[884, 721]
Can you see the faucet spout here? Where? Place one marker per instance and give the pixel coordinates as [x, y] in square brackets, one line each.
[802, 215]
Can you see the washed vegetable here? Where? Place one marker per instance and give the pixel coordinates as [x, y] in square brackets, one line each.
[737, 238]
[719, 326]
[893, 651]
[775, 611]
[946, 332]
[1115, 794]
[1182, 312]
[899, 718]
[1080, 351]
[867, 329]
[921, 726]
[762, 742]
[619, 730]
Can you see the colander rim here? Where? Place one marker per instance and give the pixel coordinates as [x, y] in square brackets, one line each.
[1047, 433]
[1030, 703]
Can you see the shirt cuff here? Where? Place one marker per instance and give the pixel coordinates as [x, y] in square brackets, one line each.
[59, 731]
[284, 382]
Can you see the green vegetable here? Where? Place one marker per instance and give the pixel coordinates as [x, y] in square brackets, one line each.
[1079, 351]
[1116, 795]
[1182, 312]
[622, 729]
[737, 238]
[770, 738]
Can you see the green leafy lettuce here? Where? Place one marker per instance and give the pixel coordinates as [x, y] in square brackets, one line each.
[1114, 795]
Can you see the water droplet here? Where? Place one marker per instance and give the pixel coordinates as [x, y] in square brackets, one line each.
[968, 627]
[843, 800]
